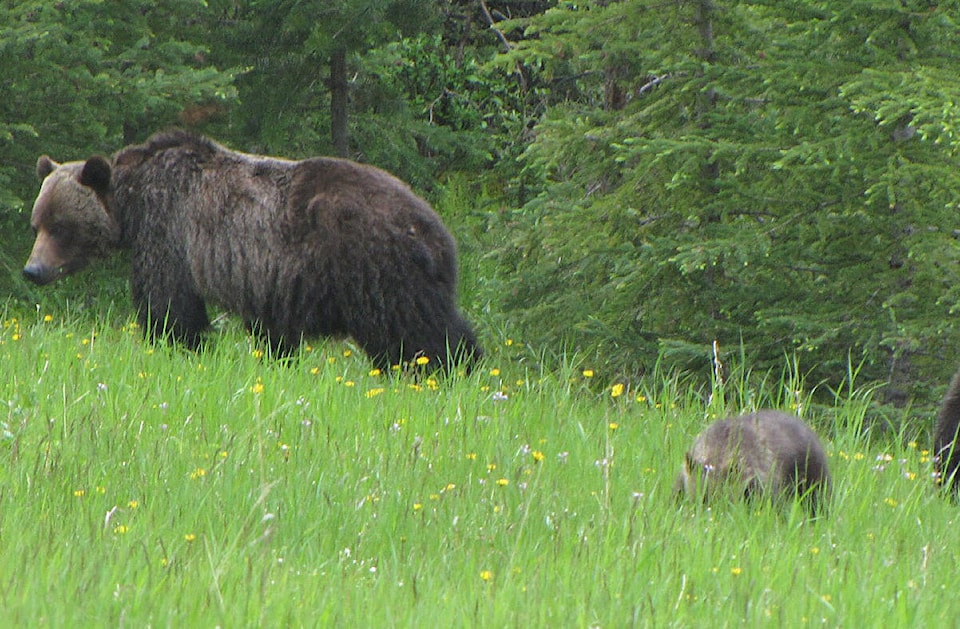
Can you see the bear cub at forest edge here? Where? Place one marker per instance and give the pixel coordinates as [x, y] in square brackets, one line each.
[946, 455]
[319, 247]
[767, 452]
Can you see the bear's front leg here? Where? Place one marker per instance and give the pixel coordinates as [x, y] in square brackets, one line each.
[168, 305]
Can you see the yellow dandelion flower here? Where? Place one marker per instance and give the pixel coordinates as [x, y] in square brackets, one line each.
[331, 360]
[198, 473]
[508, 342]
[491, 467]
[347, 353]
[257, 353]
[471, 456]
[189, 537]
[374, 392]
[432, 384]
[349, 383]
[486, 575]
[257, 388]
[121, 529]
[588, 373]
[641, 398]
[890, 502]
[494, 372]
[133, 504]
[223, 454]
[616, 390]
[374, 372]
[79, 493]
[48, 318]
[16, 337]
[417, 506]
[503, 482]
[614, 425]
[815, 550]
[537, 456]
[422, 360]
[736, 571]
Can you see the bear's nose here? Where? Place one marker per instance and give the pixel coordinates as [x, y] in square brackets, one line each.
[38, 274]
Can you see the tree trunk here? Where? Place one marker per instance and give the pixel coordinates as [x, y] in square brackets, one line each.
[339, 133]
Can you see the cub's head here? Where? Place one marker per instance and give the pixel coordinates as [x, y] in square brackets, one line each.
[711, 462]
[70, 218]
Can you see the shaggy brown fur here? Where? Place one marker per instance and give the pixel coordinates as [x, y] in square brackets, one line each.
[946, 455]
[297, 248]
[767, 452]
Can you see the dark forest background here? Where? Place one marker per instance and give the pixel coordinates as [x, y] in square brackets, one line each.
[628, 180]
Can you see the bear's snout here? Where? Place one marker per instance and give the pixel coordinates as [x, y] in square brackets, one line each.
[39, 274]
[46, 262]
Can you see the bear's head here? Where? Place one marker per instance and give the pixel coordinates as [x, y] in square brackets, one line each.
[70, 218]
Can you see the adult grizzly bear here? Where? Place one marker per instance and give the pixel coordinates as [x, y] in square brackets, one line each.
[946, 455]
[297, 248]
[767, 452]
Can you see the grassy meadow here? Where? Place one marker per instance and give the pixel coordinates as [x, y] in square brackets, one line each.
[144, 486]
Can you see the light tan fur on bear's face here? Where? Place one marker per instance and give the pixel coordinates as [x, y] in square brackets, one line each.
[70, 223]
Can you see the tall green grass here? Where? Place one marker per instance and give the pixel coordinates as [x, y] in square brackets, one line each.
[142, 485]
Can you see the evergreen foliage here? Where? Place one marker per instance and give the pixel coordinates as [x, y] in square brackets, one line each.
[779, 177]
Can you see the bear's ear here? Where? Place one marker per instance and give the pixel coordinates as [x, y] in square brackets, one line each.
[45, 166]
[96, 174]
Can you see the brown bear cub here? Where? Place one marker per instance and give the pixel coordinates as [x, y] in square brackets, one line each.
[946, 455]
[766, 453]
[318, 247]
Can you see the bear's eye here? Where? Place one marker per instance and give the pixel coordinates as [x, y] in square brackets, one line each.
[61, 232]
